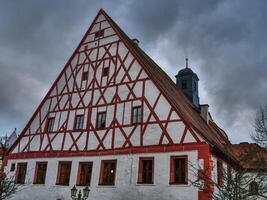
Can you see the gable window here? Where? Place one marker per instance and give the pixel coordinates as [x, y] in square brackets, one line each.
[84, 173]
[146, 171]
[40, 173]
[105, 71]
[64, 169]
[178, 170]
[21, 173]
[12, 167]
[184, 84]
[107, 172]
[99, 33]
[50, 124]
[101, 120]
[220, 173]
[136, 115]
[85, 76]
[254, 188]
[78, 122]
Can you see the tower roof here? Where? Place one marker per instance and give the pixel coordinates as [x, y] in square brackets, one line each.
[186, 72]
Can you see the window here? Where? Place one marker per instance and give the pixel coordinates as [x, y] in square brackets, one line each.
[13, 166]
[254, 188]
[184, 84]
[64, 169]
[40, 173]
[21, 173]
[78, 122]
[105, 71]
[85, 76]
[219, 173]
[108, 172]
[195, 86]
[136, 115]
[178, 170]
[84, 173]
[101, 120]
[99, 33]
[50, 124]
[146, 171]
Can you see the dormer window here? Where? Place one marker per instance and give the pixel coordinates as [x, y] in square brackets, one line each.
[184, 84]
[99, 33]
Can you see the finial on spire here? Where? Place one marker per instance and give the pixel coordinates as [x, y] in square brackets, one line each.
[186, 62]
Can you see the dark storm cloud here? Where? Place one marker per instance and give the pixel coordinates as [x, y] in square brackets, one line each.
[225, 41]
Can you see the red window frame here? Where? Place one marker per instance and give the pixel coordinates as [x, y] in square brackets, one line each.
[85, 75]
[59, 175]
[21, 175]
[220, 173]
[141, 172]
[135, 118]
[111, 179]
[75, 126]
[103, 124]
[81, 177]
[105, 71]
[37, 171]
[49, 127]
[172, 170]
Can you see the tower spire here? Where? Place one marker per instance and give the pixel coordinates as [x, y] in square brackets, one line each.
[186, 62]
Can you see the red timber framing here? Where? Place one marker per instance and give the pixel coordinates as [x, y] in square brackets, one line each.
[92, 86]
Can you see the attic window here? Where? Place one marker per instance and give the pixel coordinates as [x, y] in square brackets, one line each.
[85, 76]
[99, 33]
[50, 124]
[184, 84]
[106, 71]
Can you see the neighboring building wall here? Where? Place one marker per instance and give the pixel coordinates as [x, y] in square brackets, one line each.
[126, 186]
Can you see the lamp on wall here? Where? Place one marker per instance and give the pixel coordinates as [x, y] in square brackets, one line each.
[74, 196]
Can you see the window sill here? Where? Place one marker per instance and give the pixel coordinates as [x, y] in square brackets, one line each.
[38, 184]
[145, 184]
[106, 186]
[58, 184]
[179, 185]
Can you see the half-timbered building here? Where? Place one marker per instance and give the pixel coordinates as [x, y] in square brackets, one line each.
[115, 121]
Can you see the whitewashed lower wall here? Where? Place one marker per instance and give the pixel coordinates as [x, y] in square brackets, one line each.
[126, 186]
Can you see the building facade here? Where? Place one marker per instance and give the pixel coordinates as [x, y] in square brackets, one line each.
[114, 121]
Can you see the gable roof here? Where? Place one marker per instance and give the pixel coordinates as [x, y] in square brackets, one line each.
[191, 117]
[210, 132]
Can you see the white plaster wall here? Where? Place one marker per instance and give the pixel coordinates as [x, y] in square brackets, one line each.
[126, 186]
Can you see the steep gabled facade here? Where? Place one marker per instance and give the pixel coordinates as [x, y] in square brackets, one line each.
[112, 112]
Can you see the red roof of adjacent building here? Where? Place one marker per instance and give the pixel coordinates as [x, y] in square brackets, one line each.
[250, 155]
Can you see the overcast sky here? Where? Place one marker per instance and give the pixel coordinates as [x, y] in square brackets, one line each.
[226, 42]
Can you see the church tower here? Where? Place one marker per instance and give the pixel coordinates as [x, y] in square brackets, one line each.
[187, 81]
